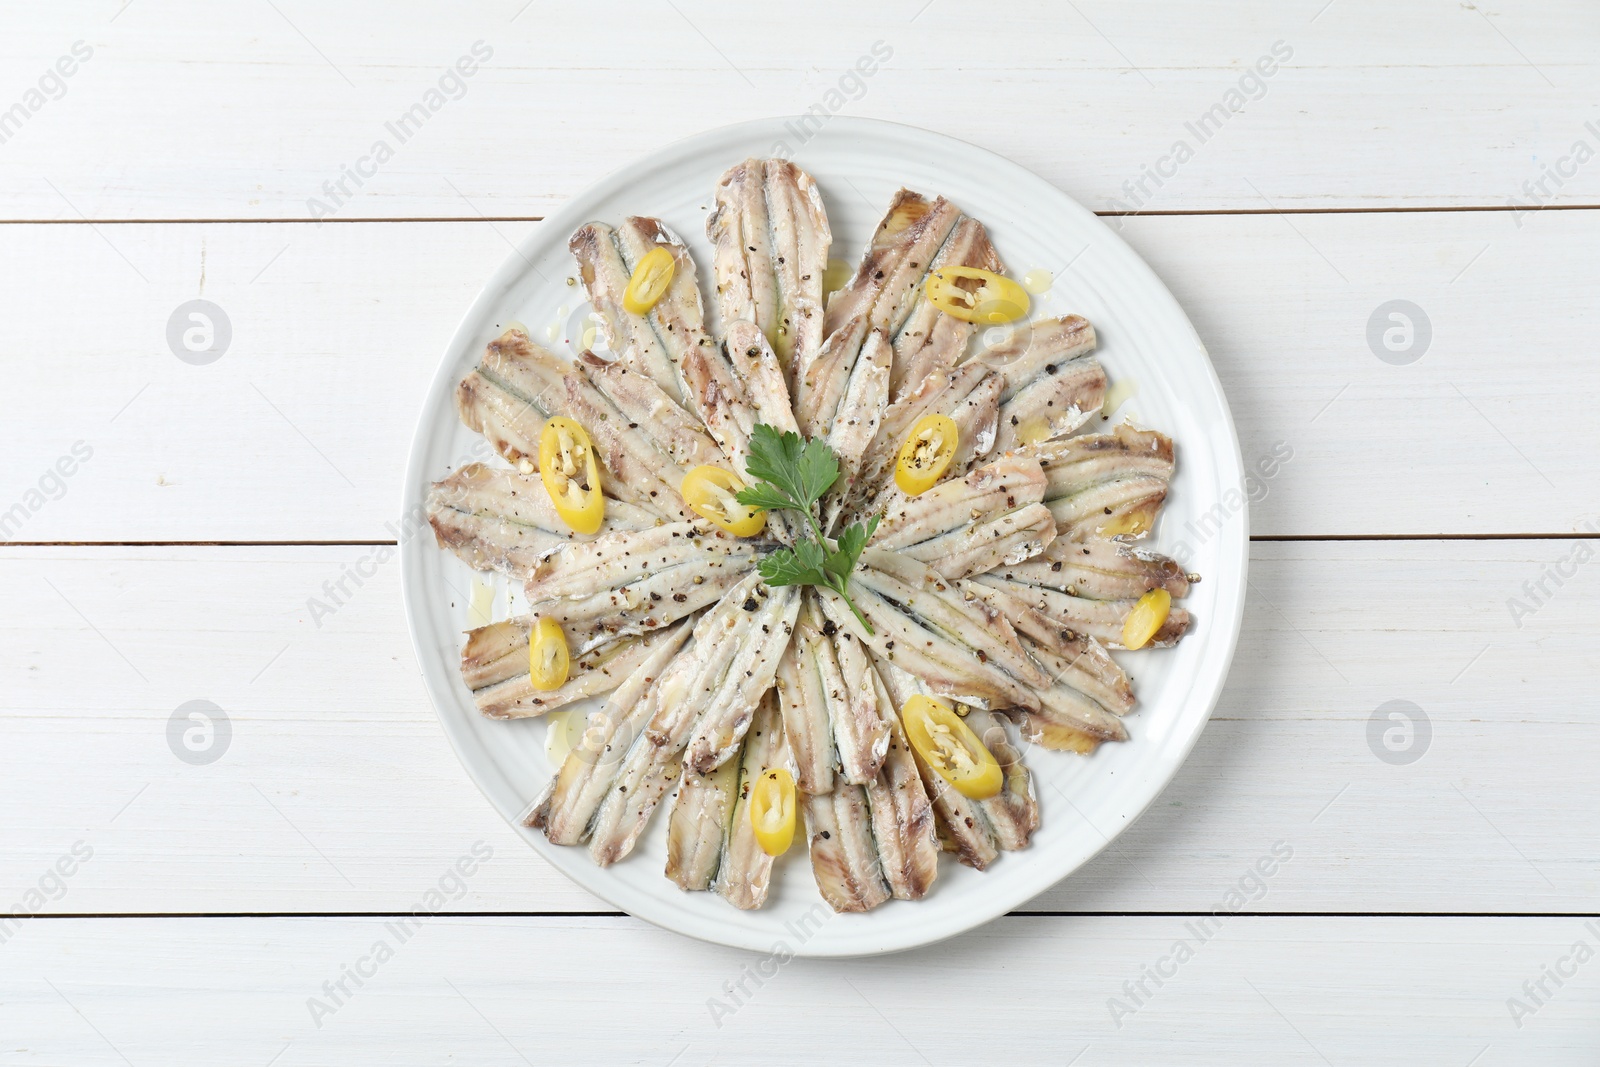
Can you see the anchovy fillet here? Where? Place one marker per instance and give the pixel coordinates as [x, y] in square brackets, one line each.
[734, 387]
[1100, 485]
[1101, 570]
[931, 342]
[838, 725]
[844, 856]
[647, 409]
[496, 659]
[759, 632]
[977, 831]
[902, 815]
[746, 869]
[1053, 385]
[771, 239]
[990, 518]
[969, 395]
[723, 645]
[498, 519]
[1053, 618]
[629, 583]
[962, 647]
[877, 299]
[698, 825]
[508, 397]
[655, 343]
[637, 466]
[566, 809]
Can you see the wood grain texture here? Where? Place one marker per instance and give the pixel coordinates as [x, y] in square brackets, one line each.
[339, 792]
[182, 113]
[600, 990]
[300, 430]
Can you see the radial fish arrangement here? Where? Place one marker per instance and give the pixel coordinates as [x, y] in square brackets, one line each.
[821, 572]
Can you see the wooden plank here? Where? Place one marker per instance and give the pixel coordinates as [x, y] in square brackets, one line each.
[300, 429]
[1447, 106]
[548, 990]
[337, 791]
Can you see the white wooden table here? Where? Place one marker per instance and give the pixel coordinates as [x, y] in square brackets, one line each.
[182, 912]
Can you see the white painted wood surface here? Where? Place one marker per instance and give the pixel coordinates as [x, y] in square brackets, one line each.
[185, 112]
[1027, 990]
[1419, 898]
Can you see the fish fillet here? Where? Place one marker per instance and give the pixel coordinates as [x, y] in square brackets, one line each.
[1053, 385]
[963, 648]
[844, 856]
[746, 870]
[698, 825]
[878, 299]
[652, 344]
[498, 519]
[1101, 570]
[515, 388]
[496, 659]
[628, 583]
[977, 831]
[1053, 618]
[902, 815]
[1109, 484]
[566, 809]
[931, 342]
[771, 240]
[989, 518]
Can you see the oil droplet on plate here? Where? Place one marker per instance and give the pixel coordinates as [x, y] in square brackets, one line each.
[480, 610]
[1122, 390]
[836, 277]
[563, 731]
[1038, 281]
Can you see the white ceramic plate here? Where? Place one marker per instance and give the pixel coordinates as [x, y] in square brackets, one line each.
[1144, 339]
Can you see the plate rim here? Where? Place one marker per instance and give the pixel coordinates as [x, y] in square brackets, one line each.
[1024, 885]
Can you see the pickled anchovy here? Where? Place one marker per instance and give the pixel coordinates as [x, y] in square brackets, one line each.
[498, 519]
[1053, 618]
[771, 237]
[1108, 484]
[566, 809]
[628, 583]
[990, 518]
[514, 389]
[746, 870]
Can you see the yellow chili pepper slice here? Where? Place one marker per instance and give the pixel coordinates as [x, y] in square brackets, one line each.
[548, 657]
[948, 745]
[651, 276]
[1146, 618]
[571, 474]
[772, 811]
[926, 454]
[995, 299]
[710, 491]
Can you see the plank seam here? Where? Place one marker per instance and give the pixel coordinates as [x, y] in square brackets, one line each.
[1163, 213]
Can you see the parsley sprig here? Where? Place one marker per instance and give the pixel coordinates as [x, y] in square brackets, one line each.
[791, 473]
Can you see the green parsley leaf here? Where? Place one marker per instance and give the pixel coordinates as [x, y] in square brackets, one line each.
[852, 541]
[787, 471]
[803, 469]
[801, 565]
[764, 495]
